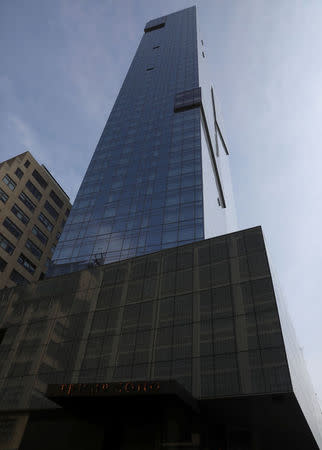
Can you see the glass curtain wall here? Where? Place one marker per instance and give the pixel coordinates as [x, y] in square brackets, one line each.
[142, 191]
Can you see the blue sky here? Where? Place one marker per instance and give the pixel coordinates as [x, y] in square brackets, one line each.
[63, 62]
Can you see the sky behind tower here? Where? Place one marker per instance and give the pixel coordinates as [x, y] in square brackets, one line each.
[63, 63]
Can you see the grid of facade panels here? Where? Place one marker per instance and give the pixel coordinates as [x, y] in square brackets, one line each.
[203, 314]
[142, 191]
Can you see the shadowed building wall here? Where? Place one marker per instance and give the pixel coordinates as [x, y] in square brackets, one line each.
[204, 315]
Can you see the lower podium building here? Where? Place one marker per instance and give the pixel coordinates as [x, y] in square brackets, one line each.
[185, 348]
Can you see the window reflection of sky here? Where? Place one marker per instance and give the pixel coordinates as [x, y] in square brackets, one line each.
[143, 189]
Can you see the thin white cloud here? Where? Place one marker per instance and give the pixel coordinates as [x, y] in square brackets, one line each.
[23, 131]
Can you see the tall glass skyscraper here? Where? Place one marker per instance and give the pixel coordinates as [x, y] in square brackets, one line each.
[159, 176]
[179, 339]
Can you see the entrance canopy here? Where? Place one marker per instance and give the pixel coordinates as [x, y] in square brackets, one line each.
[85, 396]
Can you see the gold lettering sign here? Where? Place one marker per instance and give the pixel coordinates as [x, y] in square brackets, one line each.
[109, 388]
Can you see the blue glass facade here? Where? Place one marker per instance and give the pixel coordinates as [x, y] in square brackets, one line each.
[149, 185]
[203, 317]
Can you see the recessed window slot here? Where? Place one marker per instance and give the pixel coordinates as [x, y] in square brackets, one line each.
[154, 27]
[2, 333]
[150, 68]
[157, 46]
